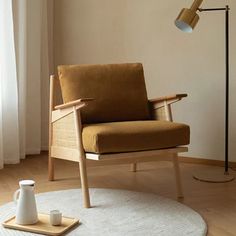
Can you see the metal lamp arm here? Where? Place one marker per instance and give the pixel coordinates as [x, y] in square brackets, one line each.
[214, 9]
[196, 4]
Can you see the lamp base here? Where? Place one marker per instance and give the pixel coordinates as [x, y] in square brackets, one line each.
[213, 175]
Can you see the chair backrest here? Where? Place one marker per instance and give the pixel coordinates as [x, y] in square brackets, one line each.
[118, 89]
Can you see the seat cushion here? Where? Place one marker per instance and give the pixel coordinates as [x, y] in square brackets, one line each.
[129, 136]
[118, 89]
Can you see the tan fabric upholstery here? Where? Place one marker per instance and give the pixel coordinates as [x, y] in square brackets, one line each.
[119, 91]
[130, 136]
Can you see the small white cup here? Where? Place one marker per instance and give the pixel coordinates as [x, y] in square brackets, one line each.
[55, 217]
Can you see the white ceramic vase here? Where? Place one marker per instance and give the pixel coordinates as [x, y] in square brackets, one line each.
[26, 211]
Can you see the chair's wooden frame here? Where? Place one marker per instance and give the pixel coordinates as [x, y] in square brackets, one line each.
[161, 111]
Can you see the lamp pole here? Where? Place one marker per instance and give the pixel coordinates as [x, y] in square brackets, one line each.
[227, 89]
[226, 9]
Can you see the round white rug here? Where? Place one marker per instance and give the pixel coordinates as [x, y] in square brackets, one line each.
[117, 213]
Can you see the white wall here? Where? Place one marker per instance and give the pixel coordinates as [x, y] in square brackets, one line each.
[110, 31]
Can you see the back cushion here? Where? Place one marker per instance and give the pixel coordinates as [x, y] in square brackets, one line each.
[118, 89]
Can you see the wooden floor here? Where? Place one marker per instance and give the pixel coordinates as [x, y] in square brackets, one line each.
[215, 202]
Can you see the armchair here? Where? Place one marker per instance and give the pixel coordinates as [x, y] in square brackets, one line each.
[106, 117]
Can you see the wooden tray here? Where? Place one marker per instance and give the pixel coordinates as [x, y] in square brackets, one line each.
[43, 226]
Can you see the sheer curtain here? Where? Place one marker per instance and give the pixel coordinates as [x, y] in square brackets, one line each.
[9, 112]
[24, 73]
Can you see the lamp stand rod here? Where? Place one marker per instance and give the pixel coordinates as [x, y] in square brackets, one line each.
[217, 176]
[226, 88]
[226, 9]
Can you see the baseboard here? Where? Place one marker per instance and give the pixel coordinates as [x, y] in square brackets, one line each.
[32, 151]
[193, 160]
[44, 148]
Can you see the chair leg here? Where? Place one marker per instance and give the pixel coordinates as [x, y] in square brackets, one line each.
[50, 168]
[177, 176]
[133, 167]
[84, 183]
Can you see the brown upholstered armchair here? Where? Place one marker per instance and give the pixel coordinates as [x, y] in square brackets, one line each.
[106, 116]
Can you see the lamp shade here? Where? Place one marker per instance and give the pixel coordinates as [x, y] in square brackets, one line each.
[187, 20]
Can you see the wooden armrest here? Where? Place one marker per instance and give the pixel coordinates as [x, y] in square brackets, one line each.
[168, 98]
[73, 103]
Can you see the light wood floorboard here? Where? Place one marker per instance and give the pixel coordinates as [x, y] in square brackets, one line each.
[215, 202]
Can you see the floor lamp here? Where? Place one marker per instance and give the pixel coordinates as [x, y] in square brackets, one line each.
[186, 21]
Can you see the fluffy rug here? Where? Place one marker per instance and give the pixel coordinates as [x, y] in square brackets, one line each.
[117, 213]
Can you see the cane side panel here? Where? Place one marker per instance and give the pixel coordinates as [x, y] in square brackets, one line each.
[63, 132]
